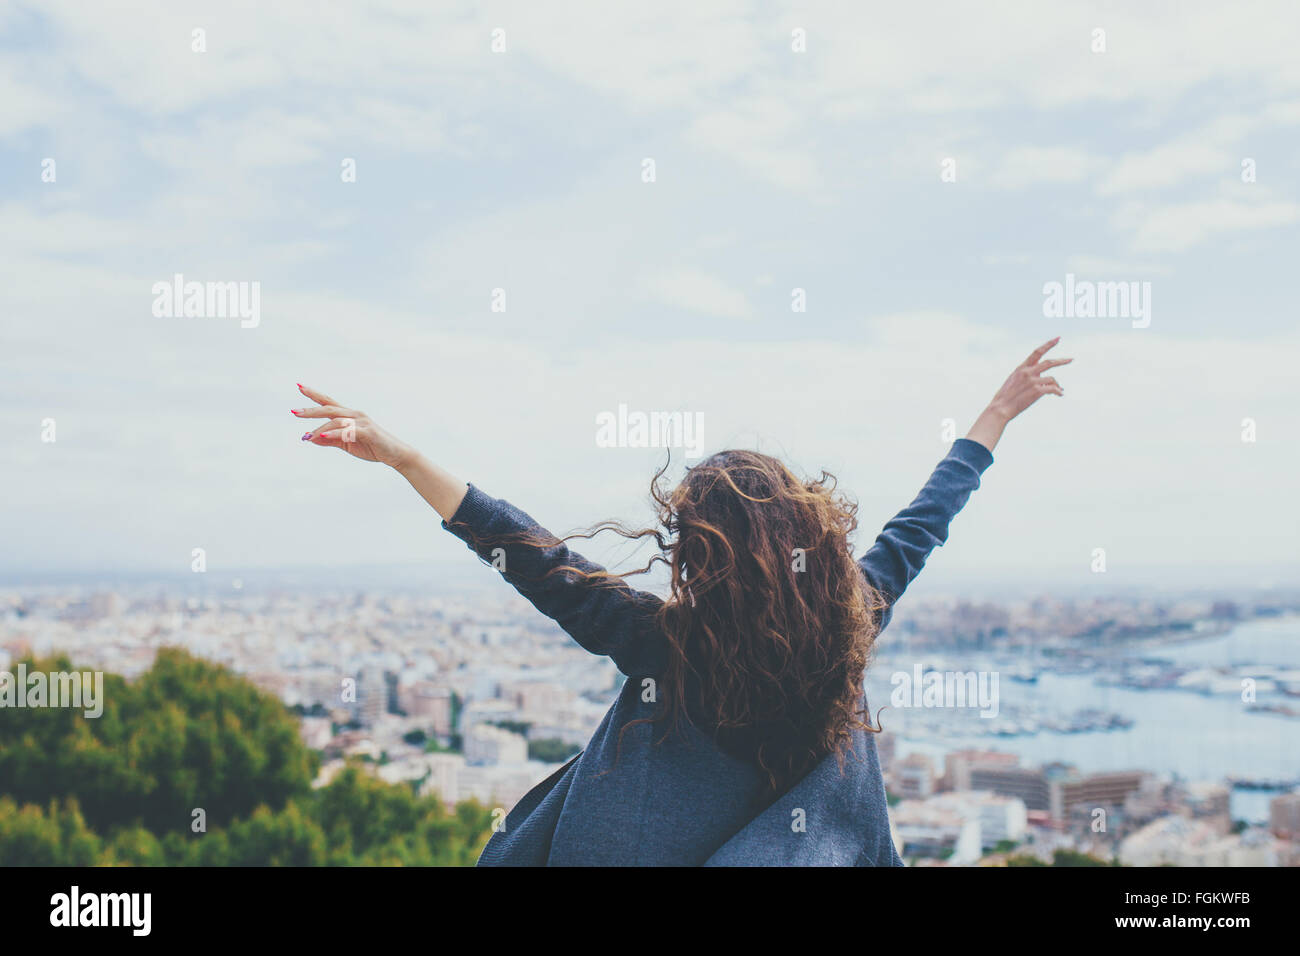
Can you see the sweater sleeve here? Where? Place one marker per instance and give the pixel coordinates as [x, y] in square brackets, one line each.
[606, 617]
[900, 551]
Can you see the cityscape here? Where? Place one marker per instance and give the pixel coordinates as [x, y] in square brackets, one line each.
[1100, 742]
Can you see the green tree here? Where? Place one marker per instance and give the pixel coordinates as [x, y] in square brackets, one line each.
[121, 789]
[57, 836]
[551, 750]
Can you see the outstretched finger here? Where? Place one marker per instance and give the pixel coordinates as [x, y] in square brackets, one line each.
[320, 398]
[331, 425]
[1042, 367]
[324, 411]
[1037, 354]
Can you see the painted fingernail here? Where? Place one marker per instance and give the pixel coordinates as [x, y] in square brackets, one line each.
[306, 436]
[293, 411]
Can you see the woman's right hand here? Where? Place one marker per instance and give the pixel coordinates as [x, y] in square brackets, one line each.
[352, 431]
[1026, 385]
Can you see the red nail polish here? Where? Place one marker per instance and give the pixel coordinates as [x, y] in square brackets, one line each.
[293, 411]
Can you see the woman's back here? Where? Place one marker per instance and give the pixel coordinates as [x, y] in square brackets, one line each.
[643, 794]
[684, 802]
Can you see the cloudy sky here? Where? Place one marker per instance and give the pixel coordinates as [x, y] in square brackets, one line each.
[920, 170]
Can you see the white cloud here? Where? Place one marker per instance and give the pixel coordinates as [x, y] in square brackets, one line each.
[1174, 227]
[1214, 150]
[700, 292]
[757, 135]
[1027, 166]
[1104, 266]
[519, 170]
[1166, 167]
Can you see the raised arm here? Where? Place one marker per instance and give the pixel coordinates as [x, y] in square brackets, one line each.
[900, 551]
[603, 615]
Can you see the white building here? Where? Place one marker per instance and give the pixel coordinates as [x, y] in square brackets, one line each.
[926, 829]
[1180, 841]
[503, 785]
[486, 745]
[452, 780]
[1001, 818]
[316, 732]
[965, 821]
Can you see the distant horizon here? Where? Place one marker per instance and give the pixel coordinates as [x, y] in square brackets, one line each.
[454, 576]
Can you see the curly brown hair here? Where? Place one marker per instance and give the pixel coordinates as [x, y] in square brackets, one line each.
[770, 623]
